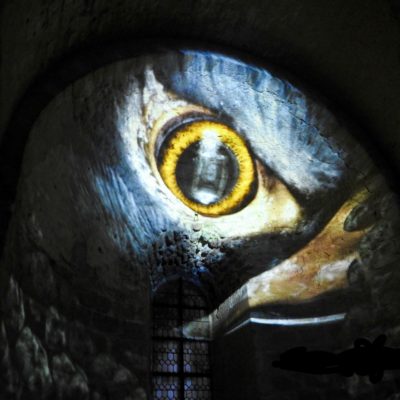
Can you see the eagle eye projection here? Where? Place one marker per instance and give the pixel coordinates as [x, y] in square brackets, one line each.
[208, 166]
[202, 145]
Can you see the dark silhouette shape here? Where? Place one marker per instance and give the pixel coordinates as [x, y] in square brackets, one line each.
[365, 358]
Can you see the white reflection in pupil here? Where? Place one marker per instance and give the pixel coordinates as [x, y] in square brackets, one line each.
[207, 170]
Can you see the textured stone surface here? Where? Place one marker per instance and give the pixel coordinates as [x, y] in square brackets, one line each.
[14, 311]
[80, 344]
[54, 357]
[70, 382]
[42, 276]
[55, 335]
[32, 361]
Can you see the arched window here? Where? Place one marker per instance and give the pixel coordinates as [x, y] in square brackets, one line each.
[180, 364]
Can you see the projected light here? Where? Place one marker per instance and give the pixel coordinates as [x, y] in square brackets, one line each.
[216, 169]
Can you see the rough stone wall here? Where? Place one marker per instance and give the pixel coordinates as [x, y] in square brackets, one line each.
[45, 355]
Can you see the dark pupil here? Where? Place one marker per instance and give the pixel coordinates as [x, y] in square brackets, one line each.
[207, 172]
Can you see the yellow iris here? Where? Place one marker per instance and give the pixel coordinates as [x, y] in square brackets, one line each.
[193, 133]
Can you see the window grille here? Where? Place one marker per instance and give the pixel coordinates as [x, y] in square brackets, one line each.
[180, 365]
